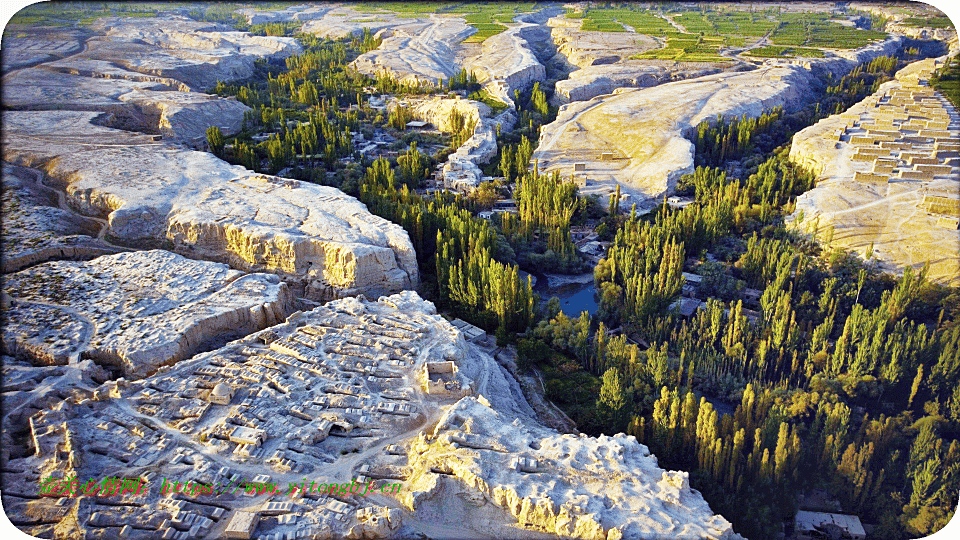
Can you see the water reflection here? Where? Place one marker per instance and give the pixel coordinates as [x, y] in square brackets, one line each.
[574, 297]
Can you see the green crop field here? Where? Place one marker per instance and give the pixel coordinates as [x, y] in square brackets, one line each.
[932, 22]
[728, 23]
[403, 9]
[66, 15]
[489, 18]
[689, 48]
[779, 51]
[710, 30]
[817, 30]
[613, 19]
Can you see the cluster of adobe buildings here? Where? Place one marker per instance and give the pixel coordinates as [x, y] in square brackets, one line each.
[281, 404]
[902, 134]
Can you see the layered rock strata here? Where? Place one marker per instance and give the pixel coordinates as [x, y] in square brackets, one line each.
[637, 137]
[100, 131]
[197, 54]
[889, 176]
[422, 51]
[506, 63]
[323, 241]
[136, 311]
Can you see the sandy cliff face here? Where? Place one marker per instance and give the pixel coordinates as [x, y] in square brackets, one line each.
[196, 53]
[888, 177]
[424, 51]
[636, 137]
[152, 193]
[323, 241]
[506, 63]
[36, 229]
[583, 49]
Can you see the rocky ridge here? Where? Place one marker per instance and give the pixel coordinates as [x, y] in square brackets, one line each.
[886, 185]
[462, 171]
[135, 311]
[36, 228]
[636, 137]
[600, 488]
[421, 51]
[76, 126]
[374, 391]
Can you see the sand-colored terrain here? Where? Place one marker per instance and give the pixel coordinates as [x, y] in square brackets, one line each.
[889, 176]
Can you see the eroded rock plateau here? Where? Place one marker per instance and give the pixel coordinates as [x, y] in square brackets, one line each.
[889, 176]
[349, 391]
[136, 311]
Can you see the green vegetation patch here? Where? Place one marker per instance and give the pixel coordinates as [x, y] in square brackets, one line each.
[728, 23]
[403, 9]
[818, 30]
[613, 19]
[779, 51]
[928, 22]
[690, 48]
[947, 81]
[60, 14]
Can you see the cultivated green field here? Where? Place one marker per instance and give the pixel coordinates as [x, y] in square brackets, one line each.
[690, 48]
[818, 30]
[931, 22]
[711, 29]
[68, 15]
[613, 19]
[779, 51]
[489, 18]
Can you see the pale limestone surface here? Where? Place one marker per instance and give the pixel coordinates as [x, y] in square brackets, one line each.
[35, 227]
[462, 171]
[572, 486]
[340, 22]
[23, 48]
[332, 395]
[423, 50]
[506, 63]
[187, 115]
[891, 215]
[136, 311]
[322, 240]
[196, 53]
[292, 13]
[599, 62]
[896, 16]
[588, 48]
[142, 73]
[642, 131]
[591, 81]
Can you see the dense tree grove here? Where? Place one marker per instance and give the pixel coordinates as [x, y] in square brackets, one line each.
[805, 367]
[831, 367]
[721, 140]
[466, 252]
